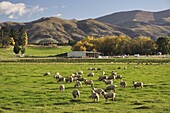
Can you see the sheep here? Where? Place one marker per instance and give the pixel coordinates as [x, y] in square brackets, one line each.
[98, 90]
[123, 84]
[90, 74]
[70, 79]
[76, 93]
[136, 67]
[95, 96]
[137, 84]
[102, 77]
[111, 87]
[103, 73]
[99, 68]
[78, 84]
[62, 87]
[80, 79]
[89, 68]
[61, 79]
[88, 82]
[119, 77]
[109, 95]
[47, 74]
[113, 73]
[57, 75]
[80, 72]
[111, 77]
[93, 68]
[119, 68]
[108, 81]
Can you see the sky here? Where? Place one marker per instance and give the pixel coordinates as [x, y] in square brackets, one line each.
[30, 10]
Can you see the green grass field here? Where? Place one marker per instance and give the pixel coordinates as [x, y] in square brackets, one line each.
[23, 88]
[34, 51]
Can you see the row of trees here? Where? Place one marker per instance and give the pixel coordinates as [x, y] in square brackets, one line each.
[17, 38]
[119, 45]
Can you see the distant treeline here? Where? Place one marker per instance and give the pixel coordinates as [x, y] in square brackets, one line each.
[120, 45]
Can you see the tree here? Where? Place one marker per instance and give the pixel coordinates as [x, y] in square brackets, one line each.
[16, 48]
[163, 45]
[5, 36]
[23, 37]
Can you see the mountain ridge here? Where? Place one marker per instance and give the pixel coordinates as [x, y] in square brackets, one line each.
[132, 23]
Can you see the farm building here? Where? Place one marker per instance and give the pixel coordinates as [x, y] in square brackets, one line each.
[83, 54]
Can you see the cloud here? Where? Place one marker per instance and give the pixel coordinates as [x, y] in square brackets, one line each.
[58, 15]
[17, 10]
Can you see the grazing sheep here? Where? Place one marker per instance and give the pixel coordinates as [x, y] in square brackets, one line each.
[57, 75]
[76, 93]
[111, 87]
[89, 68]
[109, 95]
[123, 84]
[80, 72]
[98, 90]
[99, 68]
[93, 68]
[102, 77]
[108, 81]
[47, 74]
[80, 79]
[119, 68]
[62, 87]
[103, 73]
[88, 82]
[78, 84]
[137, 84]
[113, 73]
[125, 67]
[70, 79]
[111, 77]
[136, 67]
[61, 79]
[95, 96]
[119, 77]
[90, 74]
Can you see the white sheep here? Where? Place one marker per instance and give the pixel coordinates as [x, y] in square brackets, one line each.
[102, 77]
[80, 72]
[109, 95]
[62, 79]
[108, 81]
[119, 77]
[57, 75]
[62, 87]
[111, 87]
[123, 84]
[70, 79]
[95, 96]
[103, 73]
[113, 73]
[111, 77]
[90, 74]
[98, 90]
[47, 74]
[76, 93]
[78, 84]
[88, 82]
[138, 84]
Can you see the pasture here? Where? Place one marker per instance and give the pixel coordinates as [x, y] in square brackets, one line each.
[23, 88]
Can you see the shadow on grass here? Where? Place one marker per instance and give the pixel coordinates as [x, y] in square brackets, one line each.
[143, 107]
[6, 108]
